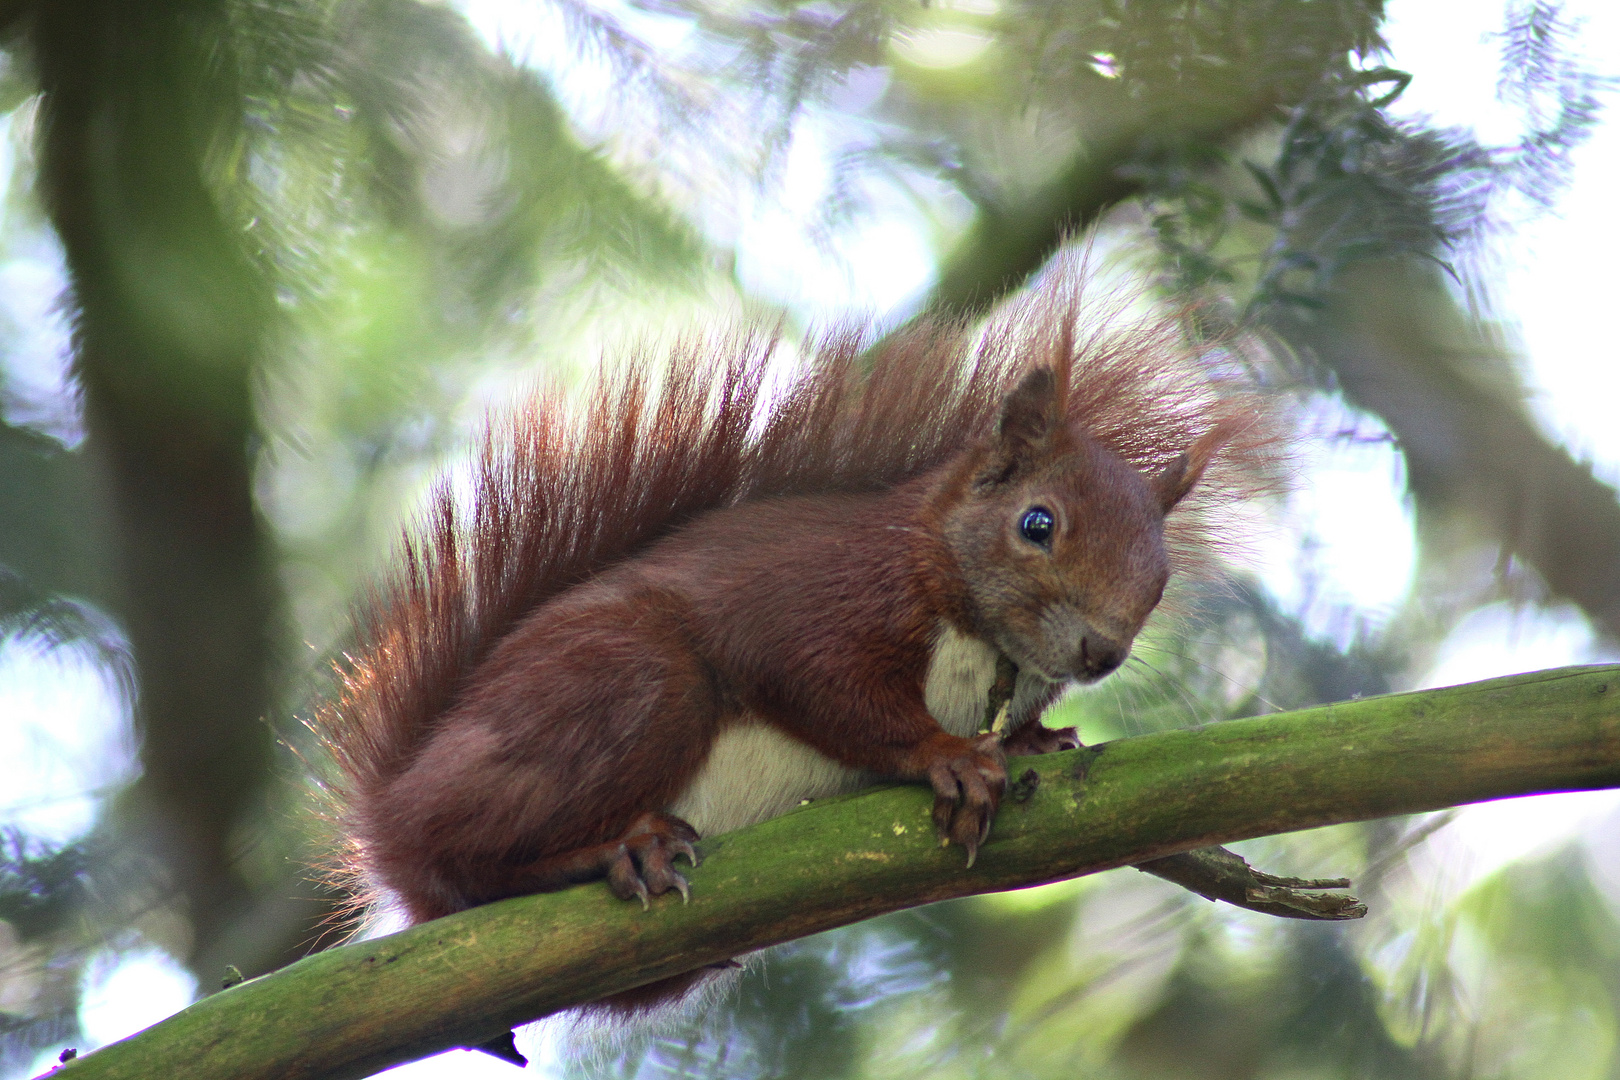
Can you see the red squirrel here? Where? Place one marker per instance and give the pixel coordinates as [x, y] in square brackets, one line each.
[680, 613]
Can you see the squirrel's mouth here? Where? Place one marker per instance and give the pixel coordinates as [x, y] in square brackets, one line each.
[1080, 665]
[1016, 651]
[1089, 676]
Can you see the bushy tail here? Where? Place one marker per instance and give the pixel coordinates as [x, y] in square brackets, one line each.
[557, 494]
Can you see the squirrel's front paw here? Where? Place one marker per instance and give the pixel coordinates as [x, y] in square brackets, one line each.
[644, 861]
[1036, 738]
[968, 777]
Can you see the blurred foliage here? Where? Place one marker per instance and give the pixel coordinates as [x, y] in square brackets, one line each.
[44, 895]
[378, 224]
[1126, 977]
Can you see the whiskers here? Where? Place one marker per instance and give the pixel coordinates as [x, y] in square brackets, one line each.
[1162, 686]
[1245, 689]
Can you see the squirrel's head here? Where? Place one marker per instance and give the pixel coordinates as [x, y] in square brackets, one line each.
[1061, 540]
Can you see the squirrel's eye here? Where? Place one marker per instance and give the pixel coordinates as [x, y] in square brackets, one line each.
[1036, 526]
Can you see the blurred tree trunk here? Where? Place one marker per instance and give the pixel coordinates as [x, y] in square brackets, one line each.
[169, 317]
[1008, 243]
[1400, 347]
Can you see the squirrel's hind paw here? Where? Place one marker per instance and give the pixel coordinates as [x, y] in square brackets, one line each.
[642, 864]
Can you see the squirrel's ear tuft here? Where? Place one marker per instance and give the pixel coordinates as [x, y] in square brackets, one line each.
[1174, 481]
[1179, 477]
[1031, 416]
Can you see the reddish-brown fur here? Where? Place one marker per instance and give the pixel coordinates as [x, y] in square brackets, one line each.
[544, 678]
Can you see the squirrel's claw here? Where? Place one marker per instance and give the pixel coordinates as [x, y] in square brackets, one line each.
[623, 878]
[968, 777]
[642, 863]
[947, 797]
[973, 843]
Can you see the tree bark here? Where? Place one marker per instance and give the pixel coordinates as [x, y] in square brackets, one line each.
[463, 980]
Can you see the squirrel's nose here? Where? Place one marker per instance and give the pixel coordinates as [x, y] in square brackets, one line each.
[1098, 656]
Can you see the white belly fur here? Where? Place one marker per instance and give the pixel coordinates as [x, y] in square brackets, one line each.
[755, 772]
[960, 675]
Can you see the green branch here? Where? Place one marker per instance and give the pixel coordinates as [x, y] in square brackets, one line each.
[460, 981]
